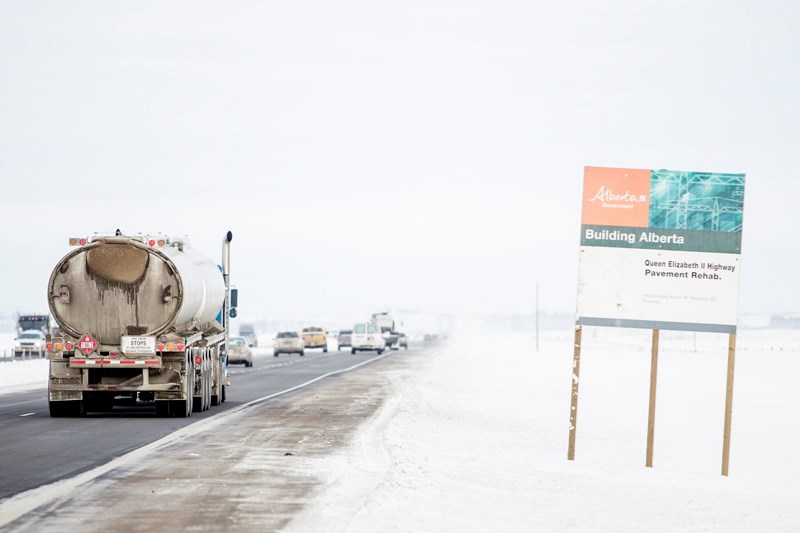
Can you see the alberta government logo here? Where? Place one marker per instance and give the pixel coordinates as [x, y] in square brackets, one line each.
[609, 198]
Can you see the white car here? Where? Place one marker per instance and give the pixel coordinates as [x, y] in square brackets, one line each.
[288, 342]
[367, 336]
[29, 342]
[239, 352]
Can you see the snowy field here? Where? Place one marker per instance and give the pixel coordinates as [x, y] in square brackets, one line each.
[478, 442]
[477, 439]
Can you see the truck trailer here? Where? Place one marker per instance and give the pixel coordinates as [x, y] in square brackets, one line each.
[141, 319]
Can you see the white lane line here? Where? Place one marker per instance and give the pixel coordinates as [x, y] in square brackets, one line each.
[25, 502]
[27, 414]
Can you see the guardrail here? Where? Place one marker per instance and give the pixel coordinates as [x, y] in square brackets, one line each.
[25, 353]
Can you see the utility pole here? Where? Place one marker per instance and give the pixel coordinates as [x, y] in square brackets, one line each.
[537, 318]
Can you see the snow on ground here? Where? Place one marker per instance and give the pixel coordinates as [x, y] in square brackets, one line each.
[17, 375]
[477, 439]
[478, 442]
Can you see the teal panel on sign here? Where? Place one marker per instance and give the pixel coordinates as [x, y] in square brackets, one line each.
[696, 201]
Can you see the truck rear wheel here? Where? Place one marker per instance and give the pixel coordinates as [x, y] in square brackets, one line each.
[162, 408]
[70, 408]
[183, 408]
[56, 409]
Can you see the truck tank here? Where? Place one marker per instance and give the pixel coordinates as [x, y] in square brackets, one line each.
[117, 286]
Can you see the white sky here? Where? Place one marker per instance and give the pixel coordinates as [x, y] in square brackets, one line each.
[421, 154]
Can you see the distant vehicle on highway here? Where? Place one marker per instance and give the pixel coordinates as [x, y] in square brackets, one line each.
[386, 323]
[41, 322]
[367, 336]
[314, 337]
[239, 351]
[344, 337]
[402, 340]
[391, 339]
[29, 342]
[288, 342]
[248, 331]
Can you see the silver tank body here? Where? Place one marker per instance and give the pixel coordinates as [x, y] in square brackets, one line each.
[120, 286]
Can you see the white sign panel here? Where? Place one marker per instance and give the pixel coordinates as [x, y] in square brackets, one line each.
[138, 345]
[660, 249]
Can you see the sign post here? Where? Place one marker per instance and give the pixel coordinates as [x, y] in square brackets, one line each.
[573, 410]
[726, 432]
[651, 417]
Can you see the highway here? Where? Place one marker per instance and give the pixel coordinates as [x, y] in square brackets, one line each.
[37, 450]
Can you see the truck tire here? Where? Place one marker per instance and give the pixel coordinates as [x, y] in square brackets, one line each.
[56, 409]
[162, 408]
[380, 352]
[70, 408]
[183, 408]
[353, 351]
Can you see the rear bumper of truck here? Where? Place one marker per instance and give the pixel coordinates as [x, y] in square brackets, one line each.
[70, 377]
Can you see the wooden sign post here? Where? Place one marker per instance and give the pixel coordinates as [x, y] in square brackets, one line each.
[726, 432]
[651, 417]
[573, 409]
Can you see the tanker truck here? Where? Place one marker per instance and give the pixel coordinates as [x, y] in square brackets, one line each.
[141, 319]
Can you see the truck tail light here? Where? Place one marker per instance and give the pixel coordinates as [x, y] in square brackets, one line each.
[174, 345]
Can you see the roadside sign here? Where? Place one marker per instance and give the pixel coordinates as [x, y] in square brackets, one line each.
[660, 249]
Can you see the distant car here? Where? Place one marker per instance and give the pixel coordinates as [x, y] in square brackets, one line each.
[239, 351]
[344, 337]
[367, 336]
[402, 340]
[391, 339]
[248, 331]
[288, 342]
[314, 337]
[29, 342]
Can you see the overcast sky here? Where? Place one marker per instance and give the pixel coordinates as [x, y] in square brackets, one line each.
[414, 155]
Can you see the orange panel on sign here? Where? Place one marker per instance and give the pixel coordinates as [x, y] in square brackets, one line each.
[616, 197]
